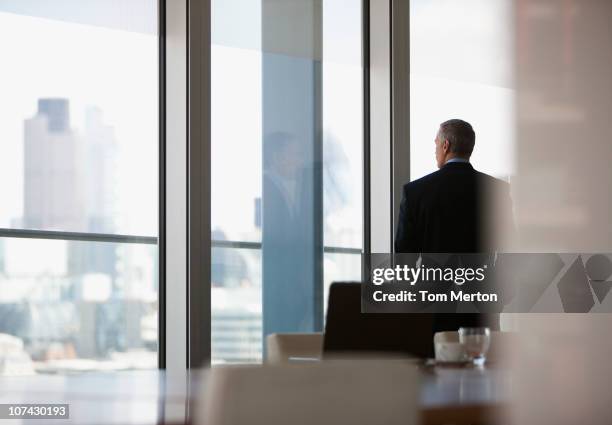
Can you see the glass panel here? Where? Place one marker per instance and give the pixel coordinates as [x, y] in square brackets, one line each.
[287, 162]
[236, 305]
[342, 124]
[75, 306]
[462, 68]
[236, 94]
[79, 110]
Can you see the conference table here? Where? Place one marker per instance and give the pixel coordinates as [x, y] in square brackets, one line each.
[461, 395]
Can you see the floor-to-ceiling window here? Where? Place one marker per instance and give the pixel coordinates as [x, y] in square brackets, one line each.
[286, 149]
[79, 185]
[462, 66]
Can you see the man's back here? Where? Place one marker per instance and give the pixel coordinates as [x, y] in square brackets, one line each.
[453, 211]
[448, 211]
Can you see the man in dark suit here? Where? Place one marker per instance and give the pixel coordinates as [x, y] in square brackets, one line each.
[450, 211]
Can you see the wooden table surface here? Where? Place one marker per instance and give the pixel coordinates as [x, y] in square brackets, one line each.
[457, 395]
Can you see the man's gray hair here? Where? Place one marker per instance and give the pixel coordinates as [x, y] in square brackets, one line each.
[460, 135]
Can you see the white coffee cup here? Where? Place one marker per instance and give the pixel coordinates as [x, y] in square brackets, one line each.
[449, 352]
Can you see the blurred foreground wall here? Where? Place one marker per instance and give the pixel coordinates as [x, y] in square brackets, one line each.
[563, 196]
[564, 109]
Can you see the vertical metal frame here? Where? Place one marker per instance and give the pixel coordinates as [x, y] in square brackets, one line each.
[161, 239]
[198, 162]
[400, 103]
[388, 103]
[175, 181]
[379, 143]
[186, 179]
[365, 58]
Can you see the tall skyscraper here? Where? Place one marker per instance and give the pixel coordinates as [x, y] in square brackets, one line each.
[57, 112]
[101, 161]
[69, 177]
[69, 181]
[54, 167]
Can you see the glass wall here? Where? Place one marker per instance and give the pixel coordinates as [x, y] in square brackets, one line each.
[462, 68]
[286, 166]
[79, 154]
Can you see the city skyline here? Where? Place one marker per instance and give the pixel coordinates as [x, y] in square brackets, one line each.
[100, 297]
[69, 176]
[114, 72]
[92, 66]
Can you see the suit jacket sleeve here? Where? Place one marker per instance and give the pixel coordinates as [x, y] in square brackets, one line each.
[406, 238]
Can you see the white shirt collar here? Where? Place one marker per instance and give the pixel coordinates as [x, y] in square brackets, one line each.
[457, 160]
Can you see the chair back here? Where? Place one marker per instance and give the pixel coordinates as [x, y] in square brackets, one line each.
[348, 331]
[325, 393]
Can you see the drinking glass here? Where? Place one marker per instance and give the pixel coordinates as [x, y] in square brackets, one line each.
[476, 342]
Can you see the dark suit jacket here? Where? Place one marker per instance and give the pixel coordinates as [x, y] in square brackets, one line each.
[445, 212]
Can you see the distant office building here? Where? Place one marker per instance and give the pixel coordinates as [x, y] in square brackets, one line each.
[57, 112]
[69, 178]
[69, 181]
[101, 150]
[54, 169]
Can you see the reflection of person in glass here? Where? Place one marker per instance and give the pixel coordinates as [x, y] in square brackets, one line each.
[282, 166]
[285, 238]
